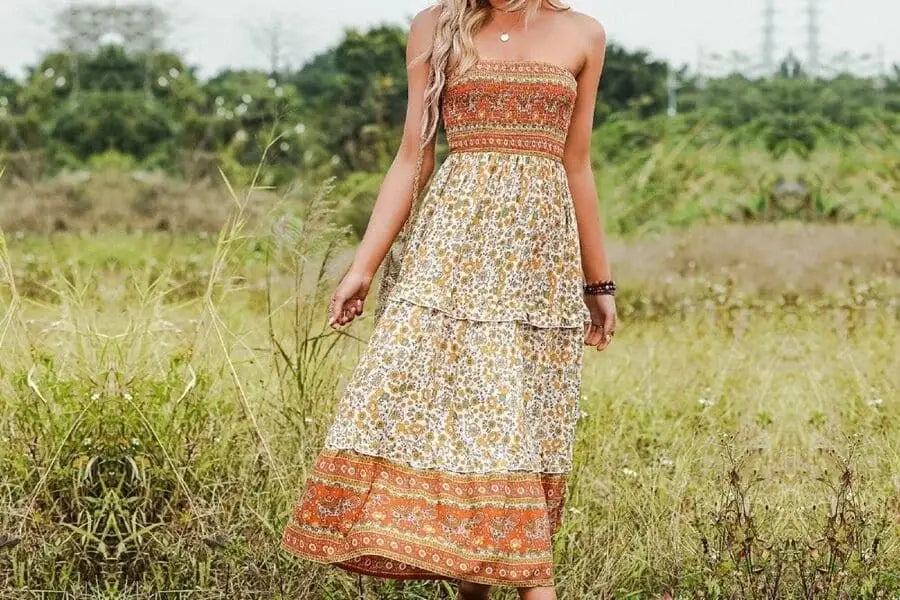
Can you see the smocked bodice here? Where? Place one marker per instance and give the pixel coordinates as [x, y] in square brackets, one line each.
[510, 106]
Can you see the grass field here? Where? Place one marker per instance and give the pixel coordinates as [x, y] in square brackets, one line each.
[163, 396]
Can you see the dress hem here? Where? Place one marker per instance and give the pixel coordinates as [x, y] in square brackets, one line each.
[428, 572]
[388, 520]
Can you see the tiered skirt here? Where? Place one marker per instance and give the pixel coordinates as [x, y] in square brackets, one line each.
[450, 446]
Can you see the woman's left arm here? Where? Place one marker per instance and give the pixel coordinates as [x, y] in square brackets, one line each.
[577, 160]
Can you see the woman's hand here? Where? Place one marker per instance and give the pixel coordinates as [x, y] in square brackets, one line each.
[600, 330]
[347, 300]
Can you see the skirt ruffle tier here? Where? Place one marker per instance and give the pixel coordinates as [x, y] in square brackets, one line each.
[377, 517]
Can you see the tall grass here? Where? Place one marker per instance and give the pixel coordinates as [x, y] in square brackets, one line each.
[163, 398]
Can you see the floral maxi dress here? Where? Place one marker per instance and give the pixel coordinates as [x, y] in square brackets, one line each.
[450, 447]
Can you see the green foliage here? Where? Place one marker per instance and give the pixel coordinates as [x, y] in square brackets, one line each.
[358, 192]
[98, 122]
[89, 104]
[247, 114]
[9, 88]
[342, 114]
[358, 91]
[631, 81]
[666, 172]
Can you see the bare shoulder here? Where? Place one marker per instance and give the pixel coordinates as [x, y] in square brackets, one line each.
[589, 27]
[590, 33]
[426, 19]
[421, 32]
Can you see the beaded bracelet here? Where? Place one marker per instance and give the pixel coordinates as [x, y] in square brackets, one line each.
[597, 288]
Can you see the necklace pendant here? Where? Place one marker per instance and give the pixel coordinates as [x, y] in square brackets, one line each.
[504, 37]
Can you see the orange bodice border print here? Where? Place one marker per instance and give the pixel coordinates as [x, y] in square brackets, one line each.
[376, 517]
[521, 107]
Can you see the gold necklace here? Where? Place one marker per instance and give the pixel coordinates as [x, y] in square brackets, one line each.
[504, 35]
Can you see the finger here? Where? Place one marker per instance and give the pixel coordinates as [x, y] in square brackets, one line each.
[359, 306]
[606, 338]
[332, 315]
[336, 308]
[609, 323]
[350, 309]
[594, 335]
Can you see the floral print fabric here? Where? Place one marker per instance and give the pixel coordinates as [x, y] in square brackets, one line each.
[496, 239]
[451, 442]
[437, 392]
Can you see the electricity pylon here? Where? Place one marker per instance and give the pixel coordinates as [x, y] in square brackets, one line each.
[813, 31]
[768, 37]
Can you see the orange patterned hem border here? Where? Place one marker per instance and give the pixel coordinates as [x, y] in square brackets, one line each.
[376, 517]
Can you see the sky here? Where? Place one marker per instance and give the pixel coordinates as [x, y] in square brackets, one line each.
[214, 34]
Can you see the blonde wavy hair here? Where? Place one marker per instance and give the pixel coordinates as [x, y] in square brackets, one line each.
[454, 50]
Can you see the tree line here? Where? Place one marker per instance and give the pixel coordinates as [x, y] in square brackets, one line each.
[341, 112]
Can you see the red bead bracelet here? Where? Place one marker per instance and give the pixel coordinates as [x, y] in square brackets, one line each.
[596, 288]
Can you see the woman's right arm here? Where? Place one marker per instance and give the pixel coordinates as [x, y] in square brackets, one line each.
[394, 200]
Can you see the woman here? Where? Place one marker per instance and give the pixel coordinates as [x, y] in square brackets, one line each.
[448, 455]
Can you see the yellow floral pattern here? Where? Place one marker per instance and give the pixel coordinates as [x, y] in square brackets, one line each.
[437, 392]
[496, 239]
